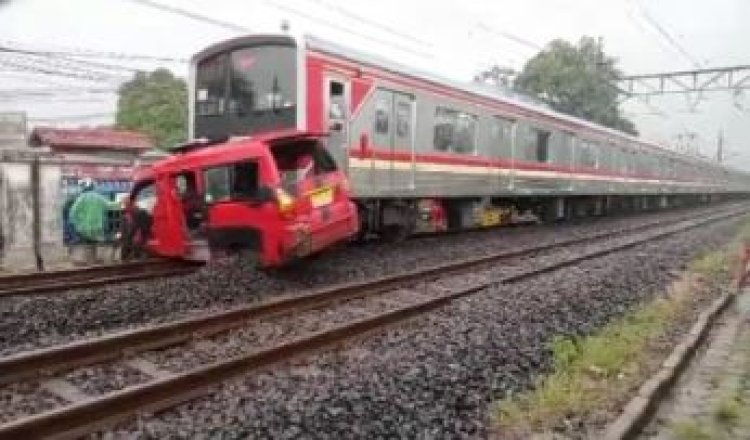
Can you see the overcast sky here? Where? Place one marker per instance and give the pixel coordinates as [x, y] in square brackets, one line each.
[451, 38]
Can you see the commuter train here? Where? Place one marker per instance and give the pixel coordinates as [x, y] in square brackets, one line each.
[394, 151]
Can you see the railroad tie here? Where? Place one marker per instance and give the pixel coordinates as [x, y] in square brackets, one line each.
[147, 367]
[65, 390]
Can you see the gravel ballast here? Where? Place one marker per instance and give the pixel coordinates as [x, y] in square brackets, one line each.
[40, 321]
[435, 376]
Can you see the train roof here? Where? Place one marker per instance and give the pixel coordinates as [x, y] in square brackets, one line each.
[479, 90]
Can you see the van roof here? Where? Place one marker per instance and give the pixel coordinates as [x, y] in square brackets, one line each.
[194, 155]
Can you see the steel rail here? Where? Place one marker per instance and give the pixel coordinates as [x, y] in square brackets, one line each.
[79, 418]
[62, 280]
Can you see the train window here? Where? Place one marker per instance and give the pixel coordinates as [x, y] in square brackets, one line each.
[455, 131]
[237, 181]
[210, 90]
[501, 132]
[444, 128]
[262, 79]
[403, 116]
[561, 143]
[336, 106]
[542, 145]
[382, 113]
[466, 134]
[587, 154]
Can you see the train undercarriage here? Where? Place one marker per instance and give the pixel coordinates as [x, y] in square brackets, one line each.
[395, 219]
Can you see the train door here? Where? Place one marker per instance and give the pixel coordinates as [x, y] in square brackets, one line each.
[382, 138]
[402, 142]
[394, 131]
[337, 119]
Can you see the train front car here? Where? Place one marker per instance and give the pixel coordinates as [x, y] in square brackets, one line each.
[251, 179]
[245, 86]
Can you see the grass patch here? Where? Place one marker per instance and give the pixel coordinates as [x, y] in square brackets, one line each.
[690, 430]
[714, 265]
[589, 369]
[592, 372]
[728, 410]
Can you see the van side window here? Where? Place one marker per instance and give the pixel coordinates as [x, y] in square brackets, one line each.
[145, 197]
[244, 180]
[235, 181]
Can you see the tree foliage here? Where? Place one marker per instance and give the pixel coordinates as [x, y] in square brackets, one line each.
[154, 103]
[501, 77]
[577, 80]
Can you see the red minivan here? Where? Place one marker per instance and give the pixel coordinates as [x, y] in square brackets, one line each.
[280, 194]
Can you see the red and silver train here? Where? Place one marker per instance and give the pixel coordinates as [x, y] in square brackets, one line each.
[304, 144]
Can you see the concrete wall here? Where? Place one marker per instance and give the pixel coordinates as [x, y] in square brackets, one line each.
[17, 251]
[17, 189]
[50, 198]
[16, 215]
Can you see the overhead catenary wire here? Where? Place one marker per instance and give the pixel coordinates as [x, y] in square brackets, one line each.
[16, 66]
[347, 29]
[372, 23]
[244, 29]
[193, 15]
[662, 31]
[509, 36]
[31, 93]
[92, 53]
[68, 60]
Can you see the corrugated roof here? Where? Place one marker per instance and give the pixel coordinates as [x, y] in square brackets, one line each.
[95, 138]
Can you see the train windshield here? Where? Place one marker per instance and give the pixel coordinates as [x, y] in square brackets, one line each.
[246, 91]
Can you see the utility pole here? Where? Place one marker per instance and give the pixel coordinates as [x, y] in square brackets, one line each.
[720, 147]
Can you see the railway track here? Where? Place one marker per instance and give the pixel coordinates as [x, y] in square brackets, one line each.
[62, 280]
[259, 336]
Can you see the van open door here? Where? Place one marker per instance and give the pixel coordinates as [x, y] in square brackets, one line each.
[169, 220]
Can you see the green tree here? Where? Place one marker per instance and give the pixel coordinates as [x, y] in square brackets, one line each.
[154, 103]
[578, 80]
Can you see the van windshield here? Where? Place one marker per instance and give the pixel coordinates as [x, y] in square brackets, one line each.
[300, 160]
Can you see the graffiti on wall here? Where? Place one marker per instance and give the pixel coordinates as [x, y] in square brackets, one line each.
[92, 206]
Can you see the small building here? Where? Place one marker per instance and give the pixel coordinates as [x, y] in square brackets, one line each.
[105, 143]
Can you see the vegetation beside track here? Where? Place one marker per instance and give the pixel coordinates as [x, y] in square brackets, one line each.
[592, 376]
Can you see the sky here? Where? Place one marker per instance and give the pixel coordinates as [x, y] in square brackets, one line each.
[450, 38]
